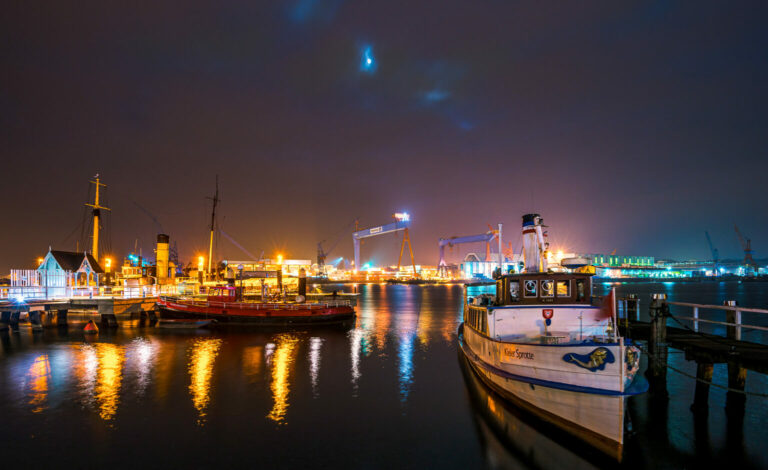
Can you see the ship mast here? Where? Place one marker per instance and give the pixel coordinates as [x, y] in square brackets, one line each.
[96, 215]
[215, 200]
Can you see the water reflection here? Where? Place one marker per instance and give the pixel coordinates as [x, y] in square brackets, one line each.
[143, 354]
[203, 354]
[252, 357]
[355, 339]
[314, 362]
[405, 367]
[282, 364]
[109, 378]
[39, 377]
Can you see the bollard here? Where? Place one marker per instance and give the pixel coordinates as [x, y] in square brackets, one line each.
[5, 320]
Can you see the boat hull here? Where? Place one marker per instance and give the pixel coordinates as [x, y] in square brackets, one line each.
[255, 314]
[597, 418]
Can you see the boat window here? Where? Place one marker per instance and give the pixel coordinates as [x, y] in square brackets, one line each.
[548, 288]
[580, 289]
[514, 291]
[530, 288]
[564, 288]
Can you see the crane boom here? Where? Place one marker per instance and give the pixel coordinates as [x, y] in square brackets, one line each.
[746, 244]
[715, 253]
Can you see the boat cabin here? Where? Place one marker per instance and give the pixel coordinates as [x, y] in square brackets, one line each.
[544, 288]
[223, 294]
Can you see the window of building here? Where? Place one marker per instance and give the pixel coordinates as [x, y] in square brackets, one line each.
[564, 288]
[530, 288]
[548, 288]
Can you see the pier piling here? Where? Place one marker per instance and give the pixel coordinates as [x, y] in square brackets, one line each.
[735, 399]
[704, 372]
[657, 345]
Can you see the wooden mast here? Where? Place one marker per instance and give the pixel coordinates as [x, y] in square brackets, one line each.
[96, 215]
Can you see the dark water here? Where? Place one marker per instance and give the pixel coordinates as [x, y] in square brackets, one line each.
[389, 393]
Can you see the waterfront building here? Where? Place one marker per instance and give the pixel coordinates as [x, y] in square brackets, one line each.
[59, 273]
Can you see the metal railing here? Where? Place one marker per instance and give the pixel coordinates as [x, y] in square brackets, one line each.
[259, 305]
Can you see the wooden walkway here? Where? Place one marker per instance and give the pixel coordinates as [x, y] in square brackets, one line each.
[707, 348]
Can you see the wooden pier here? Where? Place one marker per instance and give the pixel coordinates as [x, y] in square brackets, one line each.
[109, 310]
[704, 348]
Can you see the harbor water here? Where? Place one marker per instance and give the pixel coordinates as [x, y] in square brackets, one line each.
[389, 392]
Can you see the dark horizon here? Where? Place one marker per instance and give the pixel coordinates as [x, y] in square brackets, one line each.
[632, 127]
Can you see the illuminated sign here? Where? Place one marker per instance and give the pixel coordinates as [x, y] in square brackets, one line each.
[376, 230]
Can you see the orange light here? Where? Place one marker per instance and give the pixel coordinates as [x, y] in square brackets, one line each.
[279, 259]
[39, 261]
[108, 262]
[200, 263]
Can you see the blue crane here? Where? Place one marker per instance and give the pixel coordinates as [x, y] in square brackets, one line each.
[483, 237]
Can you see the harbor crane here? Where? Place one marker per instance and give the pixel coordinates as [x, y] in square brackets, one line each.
[322, 254]
[715, 253]
[486, 238]
[402, 222]
[746, 245]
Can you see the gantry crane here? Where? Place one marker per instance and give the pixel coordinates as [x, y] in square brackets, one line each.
[402, 222]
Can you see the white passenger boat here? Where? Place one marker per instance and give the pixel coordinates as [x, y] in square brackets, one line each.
[541, 344]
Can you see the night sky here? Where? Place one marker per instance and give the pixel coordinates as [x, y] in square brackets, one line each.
[633, 126]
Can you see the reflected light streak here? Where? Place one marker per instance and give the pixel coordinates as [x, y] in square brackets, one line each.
[202, 357]
[282, 363]
[355, 339]
[109, 379]
[314, 362]
[39, 380]
[252, 357]
[144, 353]
[87, 366]
[405, 354]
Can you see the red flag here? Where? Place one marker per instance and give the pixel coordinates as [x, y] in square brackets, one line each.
[608, 307]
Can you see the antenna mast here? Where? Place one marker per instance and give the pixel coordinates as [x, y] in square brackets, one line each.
[96, 215]
[215, 200]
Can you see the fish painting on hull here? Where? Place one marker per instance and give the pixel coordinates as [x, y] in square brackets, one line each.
[596, 360]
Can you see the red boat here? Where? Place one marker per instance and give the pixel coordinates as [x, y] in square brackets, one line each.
[224, 306]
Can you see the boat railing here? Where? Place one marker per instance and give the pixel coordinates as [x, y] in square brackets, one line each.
[265, 305]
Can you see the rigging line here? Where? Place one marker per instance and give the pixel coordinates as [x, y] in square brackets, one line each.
[234, 242]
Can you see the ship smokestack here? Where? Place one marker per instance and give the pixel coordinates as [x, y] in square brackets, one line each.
[533, 244]
[163, 242]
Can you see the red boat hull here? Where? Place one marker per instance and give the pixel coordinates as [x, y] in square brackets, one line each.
[248, 313]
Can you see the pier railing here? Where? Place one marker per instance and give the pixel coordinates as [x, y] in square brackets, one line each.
[733, 313]
[629, 309]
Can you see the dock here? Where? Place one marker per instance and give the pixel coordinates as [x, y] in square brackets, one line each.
[704, 348]
[109, 310]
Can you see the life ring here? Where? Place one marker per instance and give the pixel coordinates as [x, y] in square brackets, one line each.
[547, 313]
